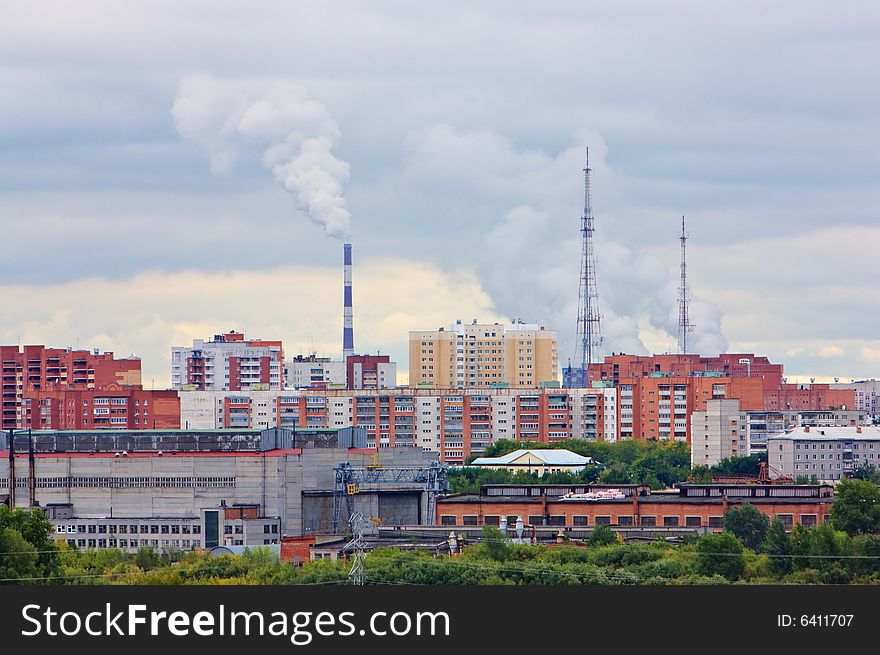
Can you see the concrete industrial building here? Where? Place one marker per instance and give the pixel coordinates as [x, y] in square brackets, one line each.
[483, 355]
[36, 368]
[826, 454]
[228, 362]
[181, 489]
[718, 433]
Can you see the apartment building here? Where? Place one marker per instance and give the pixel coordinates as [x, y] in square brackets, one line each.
[809, 397]
[370, 372]
[866, 394]
[456, 423]
[304, 371]
[482, 355]
[228, 362]
[126, 408]
[660, 406]
[37, 368]
[827, 454]
[617, 367]
[718, 433]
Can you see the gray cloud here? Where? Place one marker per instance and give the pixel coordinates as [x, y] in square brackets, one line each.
[764, 132]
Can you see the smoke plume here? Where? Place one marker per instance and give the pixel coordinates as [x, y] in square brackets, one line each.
[293, 130]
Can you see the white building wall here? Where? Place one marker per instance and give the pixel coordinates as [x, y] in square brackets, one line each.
[718, 433]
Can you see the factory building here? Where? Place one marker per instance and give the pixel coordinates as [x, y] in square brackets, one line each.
[633, 506]
[827, 454]
[178, 489]
[37, 368]
[228, 362]
[483, 355]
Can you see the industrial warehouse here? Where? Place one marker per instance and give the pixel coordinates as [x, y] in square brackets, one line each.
[178, 489]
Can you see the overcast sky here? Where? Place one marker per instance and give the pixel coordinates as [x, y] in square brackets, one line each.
[170, 170]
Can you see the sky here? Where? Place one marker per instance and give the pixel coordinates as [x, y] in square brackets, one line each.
[172, 170]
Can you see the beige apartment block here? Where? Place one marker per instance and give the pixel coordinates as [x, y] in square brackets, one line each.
[483, 355]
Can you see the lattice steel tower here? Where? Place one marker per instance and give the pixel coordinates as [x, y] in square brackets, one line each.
[684, 323]
[589, 328]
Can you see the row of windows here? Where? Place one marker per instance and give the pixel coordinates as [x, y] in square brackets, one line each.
[133, 543]
[807, 520]
[129, 528]
[128, 482]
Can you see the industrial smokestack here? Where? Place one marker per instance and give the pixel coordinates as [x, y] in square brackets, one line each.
[347, 326]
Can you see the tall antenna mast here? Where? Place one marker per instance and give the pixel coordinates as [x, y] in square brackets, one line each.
[589, 329]
[684, 324]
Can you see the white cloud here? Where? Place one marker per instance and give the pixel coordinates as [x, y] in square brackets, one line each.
[149, 313]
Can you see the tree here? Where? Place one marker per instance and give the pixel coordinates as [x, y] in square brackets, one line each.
[18, 558]
[856, 507]
[720, 554]
[777, 545]
[602, 535]
[495, 545]
[36, 529]
[866, 471]
[747, 524]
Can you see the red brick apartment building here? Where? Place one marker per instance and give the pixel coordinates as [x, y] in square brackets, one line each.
[731, 365]
[120, 408]
[660, 407]
[809, 397]
[690, 505]
[35, 368]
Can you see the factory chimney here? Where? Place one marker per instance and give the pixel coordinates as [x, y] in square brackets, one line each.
[347, 327]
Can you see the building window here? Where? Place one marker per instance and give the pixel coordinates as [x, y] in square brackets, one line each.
[603, 520]
[447, 520]
[491, 520]
[693, 521]
[649, 521]
[808, 520]
[716, 521]
[469, 520]
[557, 520]
[581, 520]
[625, 521]
[786, 520]
[536, 520]
[670, 521]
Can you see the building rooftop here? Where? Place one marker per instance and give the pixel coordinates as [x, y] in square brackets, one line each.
[548, 457]
[856, 432]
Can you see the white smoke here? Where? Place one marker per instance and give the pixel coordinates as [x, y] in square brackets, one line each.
[294, 131]
[531, 257]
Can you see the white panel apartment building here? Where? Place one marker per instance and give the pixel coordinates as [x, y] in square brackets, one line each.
[309, 371]
[228, 362]
[718, 433]
[457, 423]
[867, 395]
[829, 454]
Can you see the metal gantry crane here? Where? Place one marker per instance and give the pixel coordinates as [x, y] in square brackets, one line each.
[349, 480]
